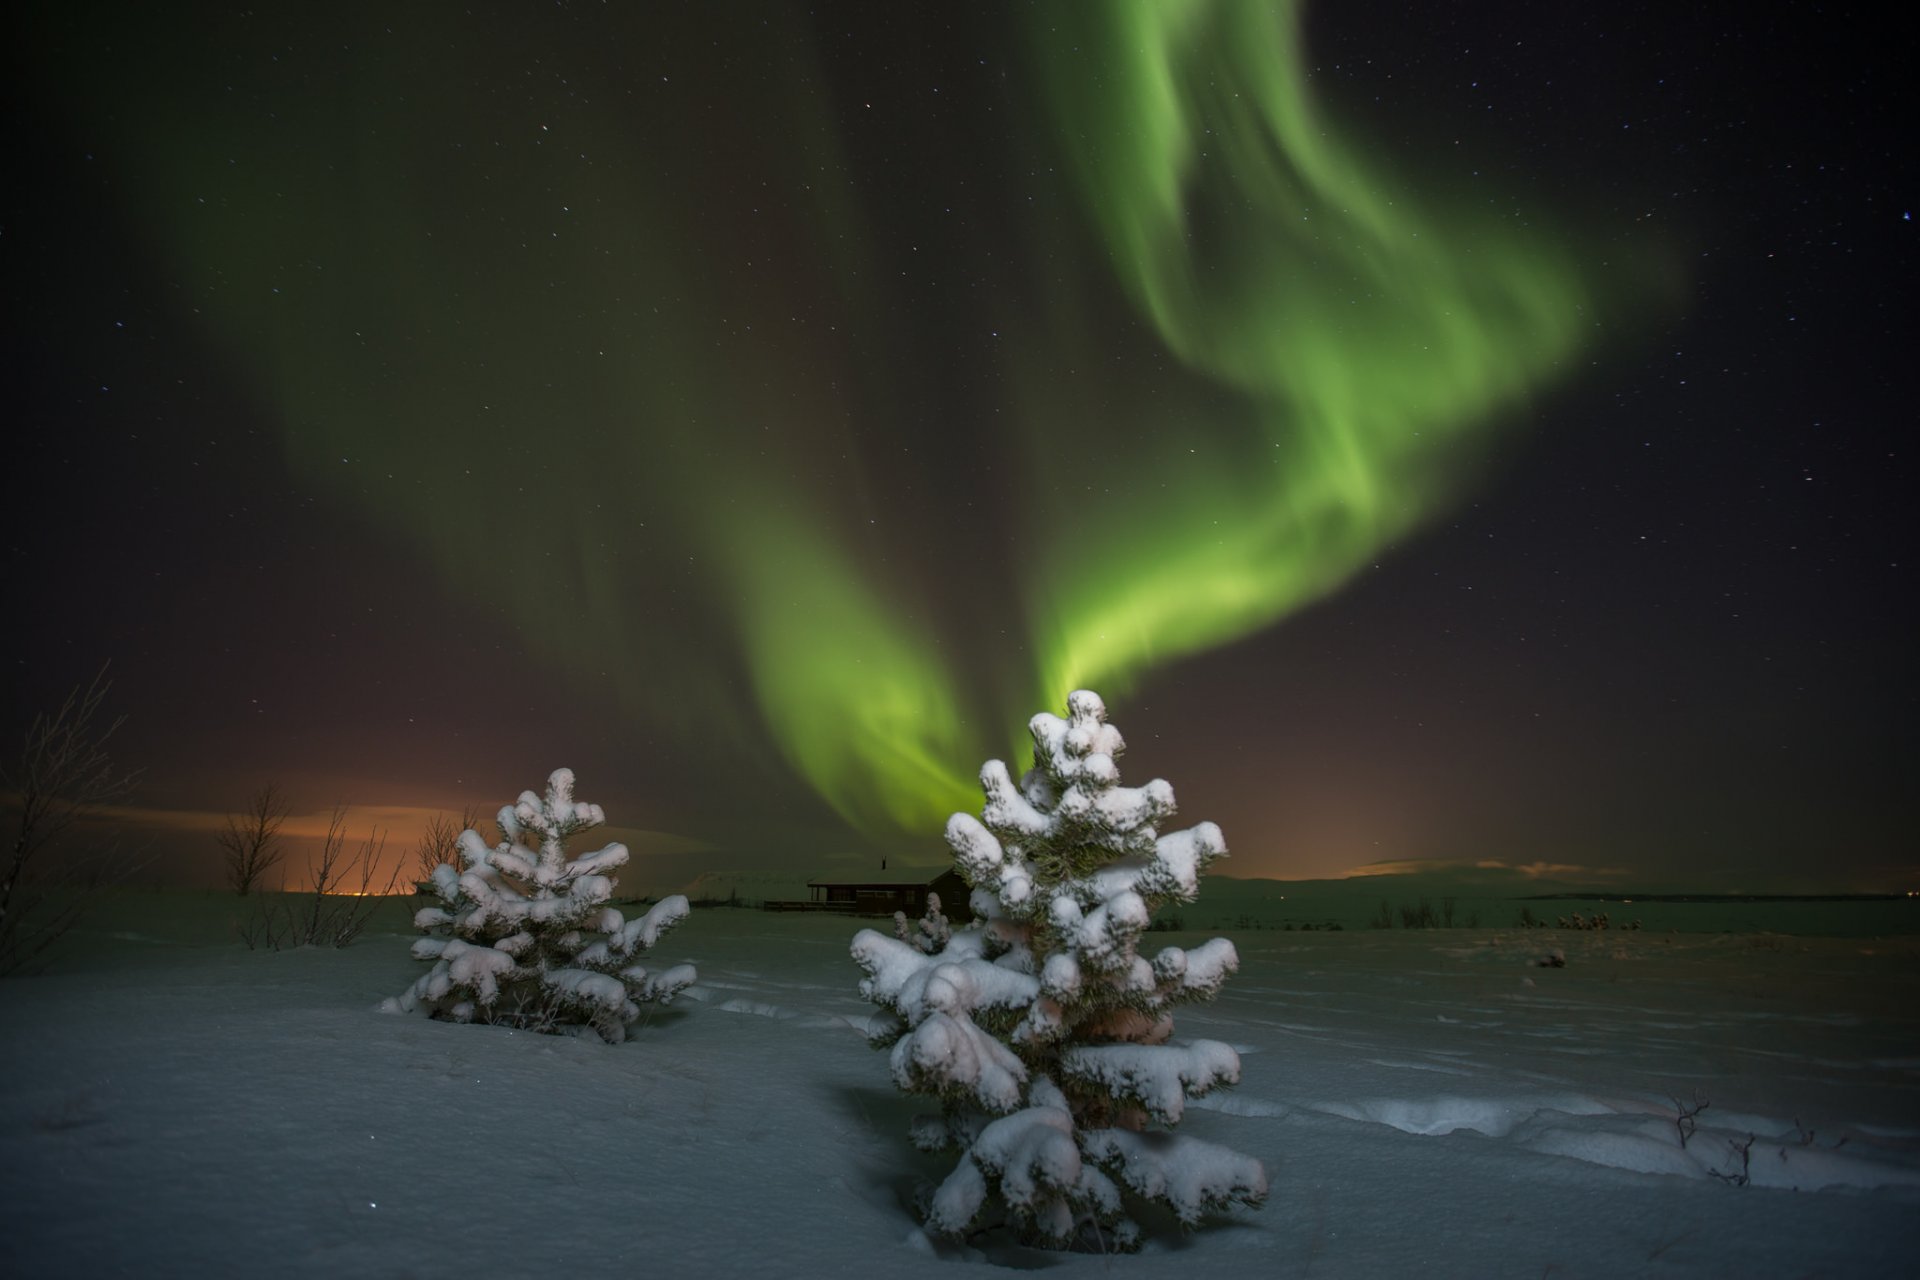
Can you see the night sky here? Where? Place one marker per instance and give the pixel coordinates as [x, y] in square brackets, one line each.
[1441, 433]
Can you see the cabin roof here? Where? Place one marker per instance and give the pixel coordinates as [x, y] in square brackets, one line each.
[916, 883]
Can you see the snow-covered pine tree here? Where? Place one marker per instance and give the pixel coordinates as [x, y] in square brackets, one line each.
[1045, 1036]
[524, 936]
[930, 933]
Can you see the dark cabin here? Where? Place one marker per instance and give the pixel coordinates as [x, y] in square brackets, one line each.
[884, 897]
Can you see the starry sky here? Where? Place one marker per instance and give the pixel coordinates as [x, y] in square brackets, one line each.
[1444, 436]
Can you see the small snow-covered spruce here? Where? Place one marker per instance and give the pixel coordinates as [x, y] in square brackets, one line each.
[523, 935]
[1043, 1034]
[930, 933]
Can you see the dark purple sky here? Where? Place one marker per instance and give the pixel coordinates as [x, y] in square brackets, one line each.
[408, 405]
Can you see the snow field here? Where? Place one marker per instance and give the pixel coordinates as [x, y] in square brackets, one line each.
[1426, 1103]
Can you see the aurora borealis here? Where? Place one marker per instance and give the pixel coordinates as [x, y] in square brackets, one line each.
[1357, 344]
[772, 409]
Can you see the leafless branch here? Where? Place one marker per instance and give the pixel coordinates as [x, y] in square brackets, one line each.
[1686, 1118]
[440, 842]
[1745, 1151]
[344, 897]
[63, 775]
[251, 841]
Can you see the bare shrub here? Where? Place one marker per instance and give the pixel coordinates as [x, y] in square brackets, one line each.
[1686, 1119]
[439, 843]
[1420, 917]
[263, 928]
[251, 841]
[62, 775]
[1744, 1150]
[343, 898]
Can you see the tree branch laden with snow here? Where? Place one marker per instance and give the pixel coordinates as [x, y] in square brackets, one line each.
[1042, 1032]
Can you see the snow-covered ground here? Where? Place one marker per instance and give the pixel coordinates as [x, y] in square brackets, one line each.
[1426, 1102]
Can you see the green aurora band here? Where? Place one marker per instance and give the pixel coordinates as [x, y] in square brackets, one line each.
[1360, 342]
[659, 465]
